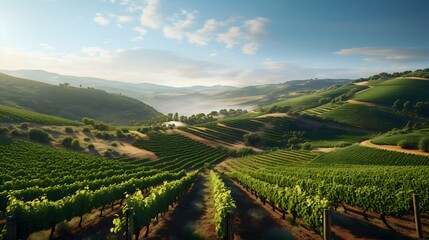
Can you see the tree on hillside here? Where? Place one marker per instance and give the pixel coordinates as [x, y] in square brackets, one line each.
[39, 135]
[67, 141]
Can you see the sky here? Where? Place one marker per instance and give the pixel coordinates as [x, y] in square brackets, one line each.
[202, 42]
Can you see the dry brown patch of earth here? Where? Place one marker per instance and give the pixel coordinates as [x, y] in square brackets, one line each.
[368, 143]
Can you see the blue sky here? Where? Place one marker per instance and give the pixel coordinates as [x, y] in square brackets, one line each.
[201, 42]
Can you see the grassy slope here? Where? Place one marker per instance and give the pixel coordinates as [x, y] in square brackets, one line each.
[12, 114]
[312, 100]
[71, 102]
[414, 137]
[368, 117]
[388, 91]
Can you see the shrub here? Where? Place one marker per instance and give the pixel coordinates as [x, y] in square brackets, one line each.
[91, 146]
[251, 139]
[405, 144]
[86, 130]
[125, 130]
[119, 133]
[39, 135]
[68, 130]
[114, 144]
[75, 144]
[87, 139]
[67, 142]
[17, 133]
[24, 125]
[306, 146]
[424, 144]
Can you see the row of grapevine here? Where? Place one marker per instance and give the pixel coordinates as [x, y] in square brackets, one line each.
[145, 208]
[291, 199]
[387, 192]
[59, 191]
[223, 204]
[41, 214]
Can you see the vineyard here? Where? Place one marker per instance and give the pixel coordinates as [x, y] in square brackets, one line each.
[321, 109]
[177, 152]
[216, 133]
[272, 159]
[359, 155]
[339, 178]
[14, 115]
[34, 189]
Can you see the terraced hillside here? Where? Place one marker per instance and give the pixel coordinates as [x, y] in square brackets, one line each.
[177, 152]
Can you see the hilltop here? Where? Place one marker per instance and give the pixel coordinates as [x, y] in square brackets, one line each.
[72, 102]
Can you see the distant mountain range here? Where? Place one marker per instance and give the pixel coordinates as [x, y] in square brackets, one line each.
[187, 100]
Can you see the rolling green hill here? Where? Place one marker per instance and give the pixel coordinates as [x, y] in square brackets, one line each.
[72, 102]
[313, 99]
[368, 117]
[388, 91]
[263, 95]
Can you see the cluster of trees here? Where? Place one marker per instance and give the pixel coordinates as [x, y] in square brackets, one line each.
[421, 108]
[158, 123]
[422, 73]
[99, 125]
[241, 152]
[423, 144]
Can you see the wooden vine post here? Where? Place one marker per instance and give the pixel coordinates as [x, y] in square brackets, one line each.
[327, 224]
[129, 224]
[11, 228]
[229, 226]
[417, 217]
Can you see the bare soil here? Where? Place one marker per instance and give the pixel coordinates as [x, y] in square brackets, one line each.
[368, 143]
[361, 103]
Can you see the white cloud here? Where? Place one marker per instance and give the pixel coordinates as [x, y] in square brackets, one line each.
[132, 6]
[388, 54]
[256, 26]
[177, 29]
[250, 48]
[151, 16]
[141, 31]
[203, 35]
[231, 37]
[100, 19]
[123, 19]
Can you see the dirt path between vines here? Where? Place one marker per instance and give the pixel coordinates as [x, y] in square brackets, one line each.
[192, 218]
[368, 143]
[253, 221]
